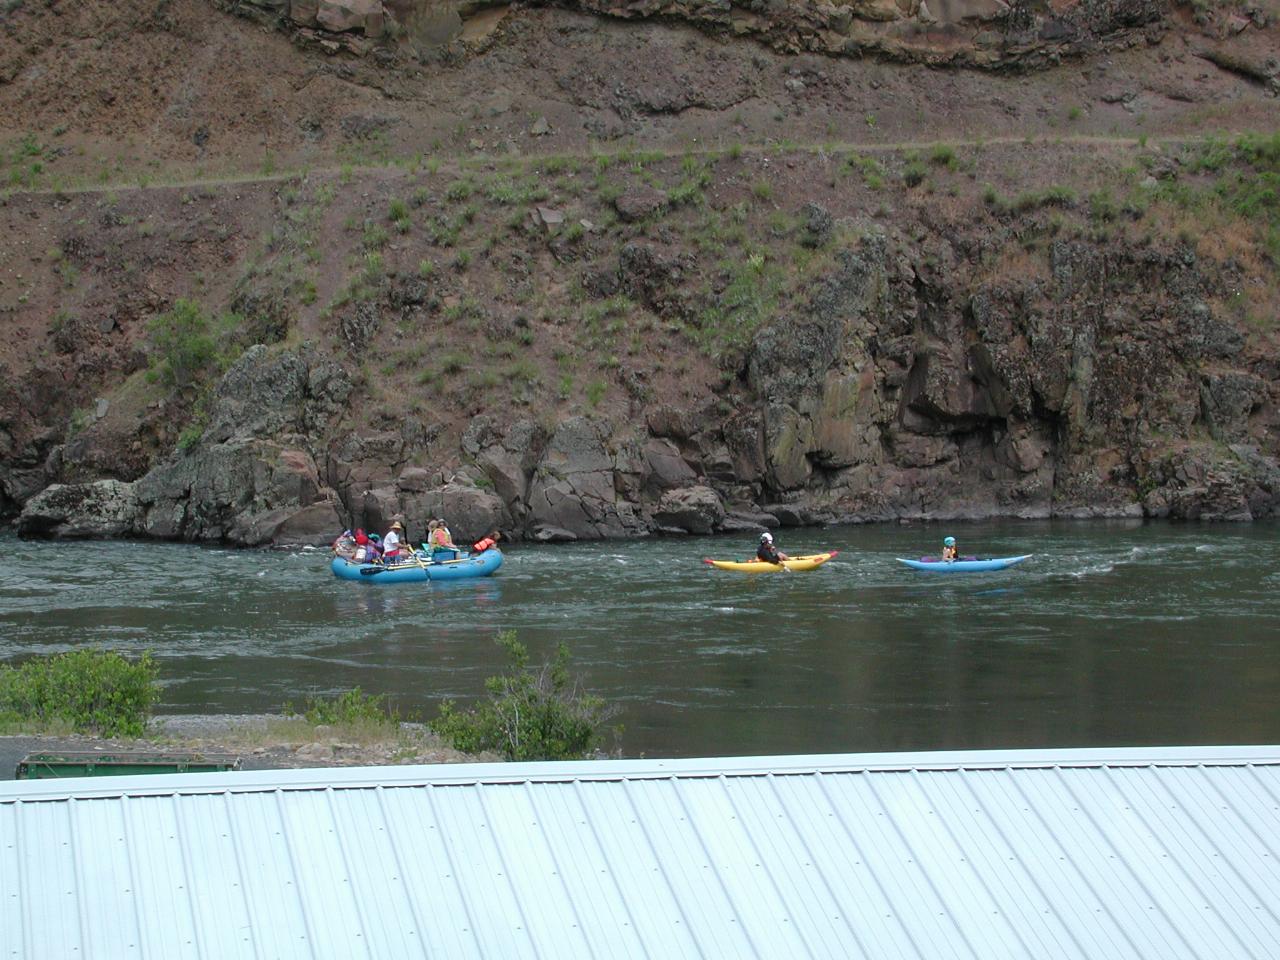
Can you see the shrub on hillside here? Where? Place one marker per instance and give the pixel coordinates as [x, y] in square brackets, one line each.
[186, 343]
[92, 691]
[531, 714]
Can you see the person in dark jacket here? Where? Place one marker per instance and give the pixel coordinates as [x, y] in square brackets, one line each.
[767, 552]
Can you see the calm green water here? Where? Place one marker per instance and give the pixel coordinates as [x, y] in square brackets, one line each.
[1113, 634]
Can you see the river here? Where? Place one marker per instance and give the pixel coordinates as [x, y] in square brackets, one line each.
[1114, 633]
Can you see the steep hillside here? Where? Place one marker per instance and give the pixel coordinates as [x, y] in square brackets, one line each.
[580, 277]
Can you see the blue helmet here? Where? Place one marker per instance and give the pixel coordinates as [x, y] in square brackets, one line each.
[949, 542]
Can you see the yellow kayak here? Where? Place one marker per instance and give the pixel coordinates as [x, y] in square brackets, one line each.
[808, 562]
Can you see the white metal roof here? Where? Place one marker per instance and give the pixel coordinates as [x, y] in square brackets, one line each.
[1161, 853]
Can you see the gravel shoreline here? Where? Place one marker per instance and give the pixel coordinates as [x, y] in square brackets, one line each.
[261, 741]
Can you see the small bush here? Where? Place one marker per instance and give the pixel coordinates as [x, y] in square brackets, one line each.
[352, 707]
[92, 691]
[460, 190]
[190, 437]
[1102, 207]
[185, 343]
[531, 714]
[942, 156]
[914, 173]
[451, 364]
[595, 392]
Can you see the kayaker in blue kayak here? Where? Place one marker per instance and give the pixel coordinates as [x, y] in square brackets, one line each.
[950, 551]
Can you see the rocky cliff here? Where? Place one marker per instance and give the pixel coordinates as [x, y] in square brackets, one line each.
[612, 344]
[980, 33]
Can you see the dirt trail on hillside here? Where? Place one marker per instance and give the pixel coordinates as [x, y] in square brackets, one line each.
[225, 100]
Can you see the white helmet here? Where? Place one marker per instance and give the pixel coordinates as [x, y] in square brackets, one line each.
[766, 537]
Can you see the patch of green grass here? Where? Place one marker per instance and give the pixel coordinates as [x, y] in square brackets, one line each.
[452, 364]
[375, 237]
[523, 370]
[943, 155]
[871, 170]
[460, 190]
[483, 380]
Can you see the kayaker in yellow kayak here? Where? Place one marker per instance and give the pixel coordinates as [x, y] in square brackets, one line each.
[767, 552]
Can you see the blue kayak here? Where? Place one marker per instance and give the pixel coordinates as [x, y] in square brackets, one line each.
[937, 565]
[413, 571]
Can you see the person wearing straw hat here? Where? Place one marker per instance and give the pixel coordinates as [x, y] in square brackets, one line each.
[391, 542]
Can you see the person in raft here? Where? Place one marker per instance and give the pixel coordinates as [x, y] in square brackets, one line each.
[949, 549]
[486, 543]
[391, 542]
[439, 537]
[767, 551]
[366, 549]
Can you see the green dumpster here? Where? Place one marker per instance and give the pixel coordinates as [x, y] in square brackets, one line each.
[51, 766]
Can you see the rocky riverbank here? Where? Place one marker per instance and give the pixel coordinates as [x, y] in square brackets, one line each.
[259, 742]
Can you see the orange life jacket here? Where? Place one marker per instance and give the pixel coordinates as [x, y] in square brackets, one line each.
[480, 546]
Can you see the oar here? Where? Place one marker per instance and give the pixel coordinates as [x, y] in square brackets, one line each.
[418, 560]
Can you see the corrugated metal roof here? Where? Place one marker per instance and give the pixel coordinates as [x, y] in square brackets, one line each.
[1161, 853]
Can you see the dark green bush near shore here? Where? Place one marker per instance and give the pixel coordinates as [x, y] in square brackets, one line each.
[531, 714]
[91, 691]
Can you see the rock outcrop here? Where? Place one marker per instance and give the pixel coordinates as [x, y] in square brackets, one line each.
[981, 33]
[897, 390]
[102, 509]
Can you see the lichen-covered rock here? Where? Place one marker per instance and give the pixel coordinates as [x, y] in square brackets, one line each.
[104, 508]
[261, 395]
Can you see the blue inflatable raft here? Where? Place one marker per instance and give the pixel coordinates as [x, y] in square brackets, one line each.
[420, 569]
[967, 565]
